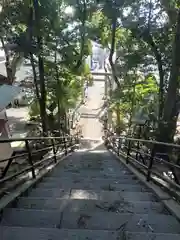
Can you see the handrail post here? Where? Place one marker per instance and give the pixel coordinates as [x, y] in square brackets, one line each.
[128, 151]
[150, 164]
[54, 151]
[119, 144]
[137, 153]
[65, 145]
[30, 158]
[71, 143]
[77, 135]
[113, 143]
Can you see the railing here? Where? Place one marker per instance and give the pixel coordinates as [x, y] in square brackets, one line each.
[163, 167]
[38, 152]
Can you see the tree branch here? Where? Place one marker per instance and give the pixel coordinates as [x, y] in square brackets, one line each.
[79, 62]
[171, 11]
[149, 17]
[147, 37]
[112, 50]
[174, 76]
[158, 57]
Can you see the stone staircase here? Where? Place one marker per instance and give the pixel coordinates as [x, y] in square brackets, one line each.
[88, 196]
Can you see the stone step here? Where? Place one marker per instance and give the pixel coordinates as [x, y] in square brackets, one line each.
[156, 223]
[92, 194]
[112, 195]
[90, 174]
[101, 185]
[89, 166]
[19, 233]
[152, 223]
[66, 182]
[49, 192]
[75, 205]
[82, 169]
[31, 218]
[81, 162]
[151, 236]
[79, 178]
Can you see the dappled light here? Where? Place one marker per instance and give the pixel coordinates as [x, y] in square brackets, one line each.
[83, 194]
[69, 10]
[98, 151]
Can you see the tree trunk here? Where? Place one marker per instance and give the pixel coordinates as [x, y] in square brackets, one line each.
[113, 41]
[157, 55]
[43, 92]
[7, 63]
[171, 111]
[38, 95]
[108, 95]
[83, 33]
[161, 91]
[36, 87]
[118, 129]
[35, 77]
[41, 69]
[57, 91]
[149, 40]
[132, 106]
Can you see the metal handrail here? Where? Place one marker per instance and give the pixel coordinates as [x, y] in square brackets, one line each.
[152, 164]
[7, 140]
[30, 153]
[14, 157]
[148, 141]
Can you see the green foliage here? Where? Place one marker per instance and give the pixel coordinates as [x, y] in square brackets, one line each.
[138, 94]
[45, 30]
[143, 42]
[100, 27]
[144, 35]
[34, 111]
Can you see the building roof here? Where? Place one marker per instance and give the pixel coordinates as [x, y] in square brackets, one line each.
[7, 94]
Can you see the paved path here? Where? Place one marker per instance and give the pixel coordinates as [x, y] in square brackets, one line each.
[89, 196]
[91, 127]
